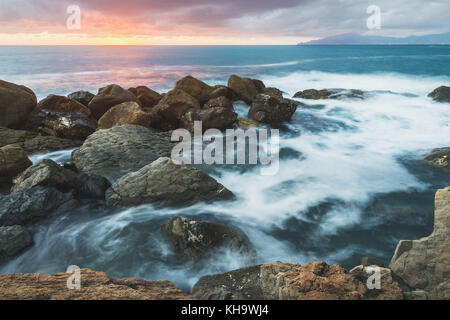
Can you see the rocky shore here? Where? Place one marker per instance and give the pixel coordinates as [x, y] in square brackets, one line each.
[122, 159]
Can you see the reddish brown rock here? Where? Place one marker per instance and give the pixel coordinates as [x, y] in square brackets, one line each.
[172, 107]
[95, 285]
[125, 113]
[16, 103]
[109, 97]
[222, 102]
[146, 96]
[62, 117]
[194, 87]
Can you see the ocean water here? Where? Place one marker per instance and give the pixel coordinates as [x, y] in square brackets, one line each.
[351, 182]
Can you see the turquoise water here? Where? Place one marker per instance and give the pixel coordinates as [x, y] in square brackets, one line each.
[351, 180]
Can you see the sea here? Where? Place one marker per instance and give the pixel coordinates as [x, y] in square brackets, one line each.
[351, 180]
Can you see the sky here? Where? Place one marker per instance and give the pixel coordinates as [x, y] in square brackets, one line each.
[210, 22]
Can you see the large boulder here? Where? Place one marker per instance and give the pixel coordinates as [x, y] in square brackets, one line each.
[62, 117]
[167, 183]
[267, 109]
[48, 173]
[441, 94]
[194, 87]
[221, 101]
[16, 103]
[172, 107]
[34, 204]
[13, 240]
[83, 97]
[13, 160]
[194, 239]
[32, 143]
[125, 113]
[245, 88]
[212, 118]
[222, 91]
[424, 264]
[282, 281]
[95, 285]
[314, 94]
[120, 150]
[146, 96]
[274, 92]
[109, 97]
[439, 157]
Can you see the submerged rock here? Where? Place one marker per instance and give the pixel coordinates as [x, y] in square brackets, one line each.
[194, 87]
[125, 113]
[120, 150]
[245, 88]
[48, 173]
[267, 109]
[13, 160]
[146, 96]
[16, 103]
[172, 107]
[34, 204]
[13, 240]
[62, 117]
[441, 94]
[282, 281]
[109, 97]
[424, 264]
[164, 182]
[330, 94]
[194, 239]
[83, 97]
[439, 157]
[95, 285]
[211, 118]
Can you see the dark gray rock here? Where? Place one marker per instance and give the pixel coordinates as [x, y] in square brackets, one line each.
[330, 94]
[120, 150]
[168, 183]
[267, 109]
[13, 240]
[441, 94]
[83, 97]
[194, 239]
[31, 205]
[439, 157]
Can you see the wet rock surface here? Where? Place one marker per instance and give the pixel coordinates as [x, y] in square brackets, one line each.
[267, 109]
[439, 157]
[13, 160]
[441, 94]
[13, 240]
[120, 150]
[314, 94]
[165, 182]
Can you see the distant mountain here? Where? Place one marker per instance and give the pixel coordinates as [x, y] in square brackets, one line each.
[357, 39]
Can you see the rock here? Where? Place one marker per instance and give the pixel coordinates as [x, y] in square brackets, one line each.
[282, 281]
[330, 94]
[441, 94]
[83, 97]
[120, 150]
[221, 91]
[267, 109]
[48, 173]
[125, 113]
[95, 285]
[439, 158]
[13, 240]
[274, 93]
[260, 86]
[16, 103]
[164, 182]
[424, 264]
[245, 88]
[212, 118]
[172, 107]
[32, 143]
[62, 117]
[193, 239]
[248, 123]
[13, 160]
[194, 87]
[34, 204]
[146, 96]
[221, 101]
[109, 97]
[369, 261]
